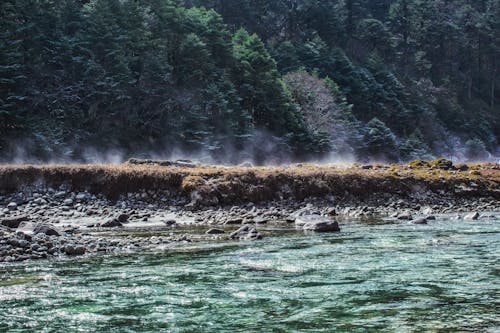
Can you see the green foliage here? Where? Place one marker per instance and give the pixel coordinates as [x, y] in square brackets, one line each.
[380, 141]
[209, 74]
[414, 148]
[475, 150]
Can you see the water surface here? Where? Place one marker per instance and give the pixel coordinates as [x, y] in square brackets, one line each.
[441, 277]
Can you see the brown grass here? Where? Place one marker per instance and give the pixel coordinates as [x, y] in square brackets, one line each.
[234, 184]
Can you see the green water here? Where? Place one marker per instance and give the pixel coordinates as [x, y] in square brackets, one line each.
[441, 277]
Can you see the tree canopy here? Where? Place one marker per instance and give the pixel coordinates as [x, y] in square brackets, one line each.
[392, 79]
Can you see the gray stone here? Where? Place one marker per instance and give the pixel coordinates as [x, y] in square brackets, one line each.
[122, 218]
[260, 220]
[68, 202]
[308, 210]
[406, 217]
[39, 201]
[170, 222]
[46, 229]
[215, 231]
[60, 194]
[246, 232]
[14, 222]
[421, 220]
[316, 223]
[234, 221]
[12, 206]
[73, 250]
[81, 197]
[331, 226]
[472, 216]
[112, 224]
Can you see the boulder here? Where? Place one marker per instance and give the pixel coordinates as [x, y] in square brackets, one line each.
[112, 224]
[73, 250]
[81, 196]
[14, 222]
[472, 216]
[405, 216]
[246, 232]
[234, 221]
[68, 202]
[308, 210]
[422, 220]
[215, 231]
[260, 220]
[12, 206]
[60, 195]
[170, 222]
[122, 218]
[317, 223]
[47, 229]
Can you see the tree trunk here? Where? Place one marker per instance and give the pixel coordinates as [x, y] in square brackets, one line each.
[469, 86]
[493, 78]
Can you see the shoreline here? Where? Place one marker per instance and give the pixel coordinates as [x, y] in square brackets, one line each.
[39, 220]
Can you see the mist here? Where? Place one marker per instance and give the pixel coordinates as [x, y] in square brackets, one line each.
[260, 149]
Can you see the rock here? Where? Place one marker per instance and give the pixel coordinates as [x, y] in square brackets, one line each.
[81, 196]
[260, 220]
[431, 217]
[39, 201]
[234, 221]
[24, 243]
[443, 164]
[14, 222]
[72, 250]
[12, 206]
[122, 218]
[215, 231]
[170, 222]
[308, 210]
[46, 229]
[13, 242]
[316, 223]
[422, 220]
[331, 211]
[427, 210]
[246, 232]
[331, 226]
[68, 202]
[112, 224]
[407, 217]
[60, 194]
[472, 216]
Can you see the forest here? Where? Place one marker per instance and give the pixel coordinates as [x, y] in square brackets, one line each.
[235, 80]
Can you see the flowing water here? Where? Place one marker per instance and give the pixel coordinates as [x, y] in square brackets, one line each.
[440, 277]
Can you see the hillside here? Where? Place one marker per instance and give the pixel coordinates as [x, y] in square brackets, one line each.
[267, 81]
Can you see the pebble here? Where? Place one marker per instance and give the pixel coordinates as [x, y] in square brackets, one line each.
[46, 207]
[12, 206]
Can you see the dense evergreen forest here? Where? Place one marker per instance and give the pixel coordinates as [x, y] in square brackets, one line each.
[268, 80]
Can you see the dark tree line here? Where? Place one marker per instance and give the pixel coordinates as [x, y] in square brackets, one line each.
[411, 78]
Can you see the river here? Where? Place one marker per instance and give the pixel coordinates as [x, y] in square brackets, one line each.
[370, 277]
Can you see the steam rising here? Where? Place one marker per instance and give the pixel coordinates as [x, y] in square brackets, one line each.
[261, 149]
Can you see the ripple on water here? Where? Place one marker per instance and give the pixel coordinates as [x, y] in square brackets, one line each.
[378, 277]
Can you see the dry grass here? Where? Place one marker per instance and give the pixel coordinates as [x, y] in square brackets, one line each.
[236, 184]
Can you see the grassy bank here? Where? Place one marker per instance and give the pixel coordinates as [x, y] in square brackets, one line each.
[213, 185]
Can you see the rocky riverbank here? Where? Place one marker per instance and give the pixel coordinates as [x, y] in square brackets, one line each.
[49, 216]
